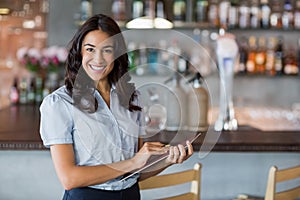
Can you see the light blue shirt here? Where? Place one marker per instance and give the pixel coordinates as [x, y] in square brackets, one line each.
[106, 136]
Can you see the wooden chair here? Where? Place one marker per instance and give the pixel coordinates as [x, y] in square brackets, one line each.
[276, 176]
[192, 176]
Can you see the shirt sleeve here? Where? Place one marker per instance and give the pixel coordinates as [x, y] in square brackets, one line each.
[56, 121]
[141, 116]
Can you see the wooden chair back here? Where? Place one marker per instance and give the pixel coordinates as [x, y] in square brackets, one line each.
[192, 176]
[283, 175]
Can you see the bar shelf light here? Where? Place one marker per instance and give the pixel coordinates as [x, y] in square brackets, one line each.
[147, 22]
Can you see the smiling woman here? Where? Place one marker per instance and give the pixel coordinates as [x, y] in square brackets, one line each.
[93, 124]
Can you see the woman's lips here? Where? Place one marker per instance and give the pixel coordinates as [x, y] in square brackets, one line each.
[97, 68]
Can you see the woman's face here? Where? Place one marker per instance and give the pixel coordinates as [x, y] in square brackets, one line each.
[97, 55]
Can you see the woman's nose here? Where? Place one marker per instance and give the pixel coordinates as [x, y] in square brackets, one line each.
[99, 57]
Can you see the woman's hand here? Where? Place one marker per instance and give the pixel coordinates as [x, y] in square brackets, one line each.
[178, 154]
[148, 149]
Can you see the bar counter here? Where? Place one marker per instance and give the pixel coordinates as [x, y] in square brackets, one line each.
[19, 130]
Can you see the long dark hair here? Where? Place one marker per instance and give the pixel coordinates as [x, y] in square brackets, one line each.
[80, 86]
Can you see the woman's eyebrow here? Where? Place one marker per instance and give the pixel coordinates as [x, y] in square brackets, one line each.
[89, 45]
[108, 46]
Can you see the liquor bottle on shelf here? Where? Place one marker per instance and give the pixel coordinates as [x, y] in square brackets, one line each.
[141, 68]
[31, 91]
[290, 62]
[255, 14]
[265, 13]
[233, 14]
[132, 57]
[14, 92]
[38, 90]
[244, 14]
[179, 10]
[297, 15]
[223, 13]
[150, 8]
[160, 9]
[137, 8]
[270, 59]
[201, 11]
[250, 65]
[23, 91]
[287, 15]
[198, 105]
[176, 107]
[243, 51]
[174, 52]
[260, 56]
[119, 10]
[86, 9]
[279, 57]
[275, 17]
[213, 13]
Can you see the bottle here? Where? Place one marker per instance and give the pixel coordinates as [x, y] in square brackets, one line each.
[223, 13]
[260, 56]
[23, 91]
[119, 10]
[160, 9]
[287, 15]
[132, 57]
[275, 17]
[265, 13]
[244, 14]
[137, 8]
[176, 106]
[270, 59]
[155, 111]
[38, 90]
[150, 8]
[279, 57]
[152, 55]
[243, 51]
[86, 9]
[163, 59]
[255, 14]
[179, 10]
[201, 11]
[297, 15]
[141, 68]
[197, 101]
[14, 92]
[213, 13]
[31, 91]
[290, 62]
[250, 65]
[233, 14]
[174, 52]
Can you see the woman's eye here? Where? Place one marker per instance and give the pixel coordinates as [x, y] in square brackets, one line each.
[108, 51]
[89, 49]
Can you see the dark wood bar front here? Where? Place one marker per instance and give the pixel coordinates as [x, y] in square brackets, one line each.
[19, 130]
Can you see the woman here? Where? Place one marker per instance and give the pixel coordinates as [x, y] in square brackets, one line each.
[92, 124]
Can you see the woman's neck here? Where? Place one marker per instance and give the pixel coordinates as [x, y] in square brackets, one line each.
[104, 89]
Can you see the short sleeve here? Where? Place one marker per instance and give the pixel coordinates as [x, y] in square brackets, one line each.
[56, 121]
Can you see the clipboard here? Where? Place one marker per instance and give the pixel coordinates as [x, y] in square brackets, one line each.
[156, 159]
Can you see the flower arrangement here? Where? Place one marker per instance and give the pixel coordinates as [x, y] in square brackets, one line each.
[49, 59]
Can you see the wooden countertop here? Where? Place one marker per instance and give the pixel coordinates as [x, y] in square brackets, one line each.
[19, 130]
